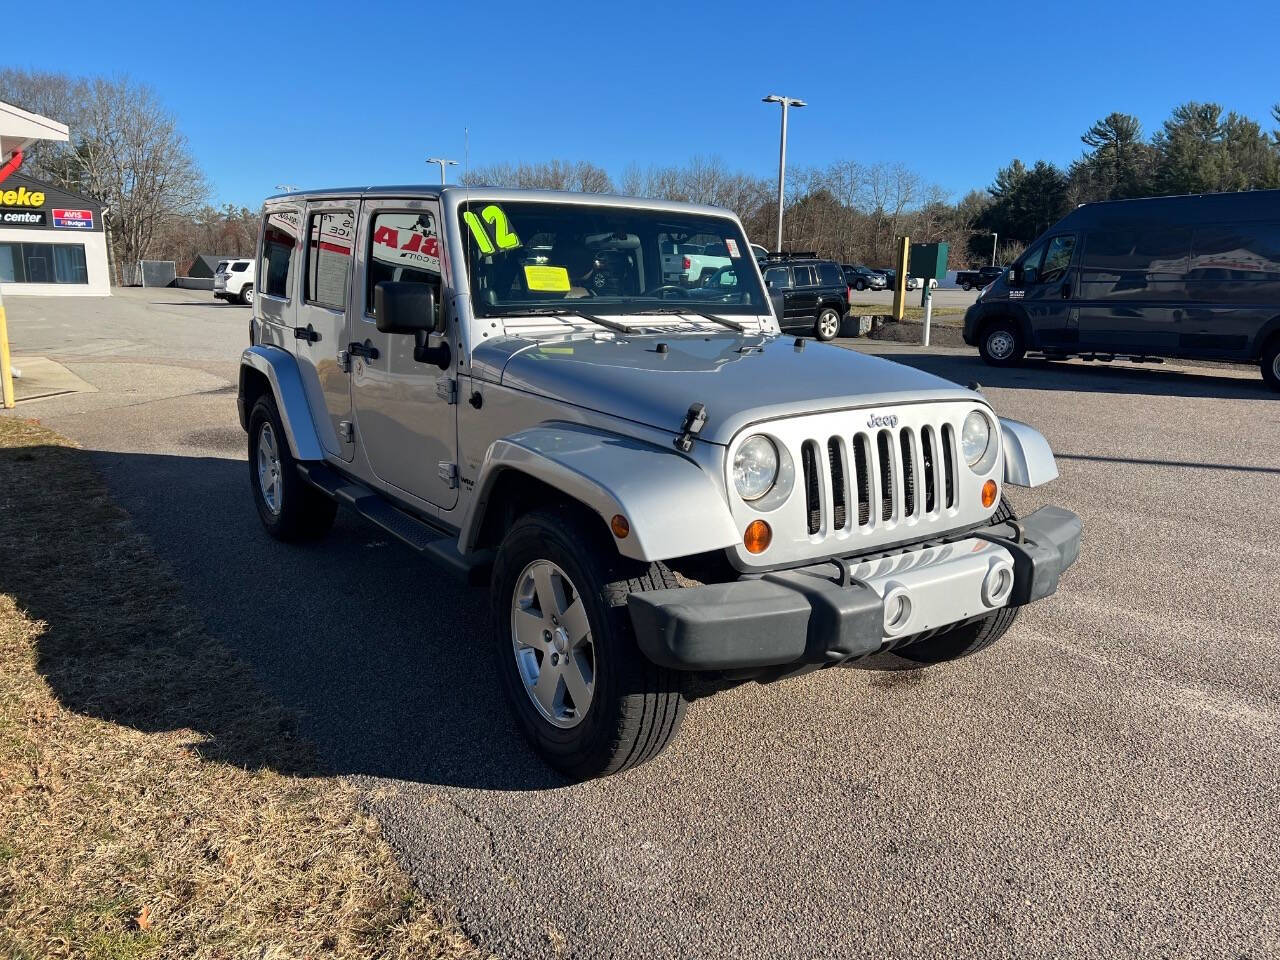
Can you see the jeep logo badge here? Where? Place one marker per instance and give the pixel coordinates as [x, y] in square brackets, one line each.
[890, 421]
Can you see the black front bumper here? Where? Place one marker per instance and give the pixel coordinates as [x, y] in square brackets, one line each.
[807, 615]
[970, 332]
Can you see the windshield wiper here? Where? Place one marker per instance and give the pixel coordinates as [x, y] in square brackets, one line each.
[554, 312]
[675, 311]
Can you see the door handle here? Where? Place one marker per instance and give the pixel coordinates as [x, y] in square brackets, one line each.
[366, 350]
[307, 333]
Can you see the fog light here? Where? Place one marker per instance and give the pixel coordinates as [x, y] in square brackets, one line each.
[989, 493]
[897, 610]
[620, 526]
[757, 537]
[998, 583]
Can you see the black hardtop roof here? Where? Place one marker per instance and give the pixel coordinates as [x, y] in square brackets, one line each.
[1186, 209]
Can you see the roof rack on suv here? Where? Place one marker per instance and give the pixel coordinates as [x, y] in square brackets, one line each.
[793, 255]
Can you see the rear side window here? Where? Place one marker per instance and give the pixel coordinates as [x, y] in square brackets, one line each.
[830, 275]
[221, 267]
[1244, 251]
[404, 245]
[330, 236]
[804, 276]
[279, 246]
[240, 267]
[1152, 254]
[777, 278]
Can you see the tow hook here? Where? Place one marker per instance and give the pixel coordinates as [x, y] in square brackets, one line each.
[694, 421]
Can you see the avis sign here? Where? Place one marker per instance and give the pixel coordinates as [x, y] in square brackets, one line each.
[73, 219]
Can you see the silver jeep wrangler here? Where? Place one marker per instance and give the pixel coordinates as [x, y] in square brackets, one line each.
[652, 479]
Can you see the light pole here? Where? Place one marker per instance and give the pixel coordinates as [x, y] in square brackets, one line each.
[443, 162]
[995, 238]
[782, 151]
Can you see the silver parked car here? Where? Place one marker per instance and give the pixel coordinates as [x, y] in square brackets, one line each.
[653, 483]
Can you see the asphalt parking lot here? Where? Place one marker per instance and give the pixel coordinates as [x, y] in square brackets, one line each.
[1101, 783]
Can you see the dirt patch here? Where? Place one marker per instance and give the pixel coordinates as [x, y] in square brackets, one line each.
[193, 822]
[907, 331]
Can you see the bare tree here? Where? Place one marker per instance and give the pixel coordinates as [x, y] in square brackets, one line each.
[579, 175]
[125, 150]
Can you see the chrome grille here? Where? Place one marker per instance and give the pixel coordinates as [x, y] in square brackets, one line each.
[908, 474]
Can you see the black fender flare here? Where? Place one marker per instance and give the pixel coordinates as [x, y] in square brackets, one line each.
[1270, 330]
[1006, 312]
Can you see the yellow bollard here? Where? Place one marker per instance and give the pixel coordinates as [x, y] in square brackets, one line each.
[6, 372]
[900, 285]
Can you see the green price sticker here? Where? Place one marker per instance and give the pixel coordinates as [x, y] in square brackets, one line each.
[503, 238]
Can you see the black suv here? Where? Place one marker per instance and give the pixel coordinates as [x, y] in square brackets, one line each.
[864, 278]
[814, 293]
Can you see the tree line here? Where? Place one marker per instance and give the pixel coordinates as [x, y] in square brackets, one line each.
[846, 210]
[1200, 148]
[854, 212]
[127, 151]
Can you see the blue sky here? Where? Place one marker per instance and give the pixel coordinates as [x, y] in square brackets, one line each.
[333, 93]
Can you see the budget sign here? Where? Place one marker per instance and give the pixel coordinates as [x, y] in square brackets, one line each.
[80, 219]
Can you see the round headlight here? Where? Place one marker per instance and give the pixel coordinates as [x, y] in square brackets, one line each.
[755, 467]
[975, 437]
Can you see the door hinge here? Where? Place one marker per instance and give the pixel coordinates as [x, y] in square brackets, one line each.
[447, 390]
[346, 431]
[449, 474]
[344, 361]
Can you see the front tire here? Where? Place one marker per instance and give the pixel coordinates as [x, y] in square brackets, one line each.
[1271, 364]
[966, 286]
[588, 701]
[1001, 344]
[246, 295]
[827, 326]
[289, 507]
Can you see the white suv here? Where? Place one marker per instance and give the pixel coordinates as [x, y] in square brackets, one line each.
[233, 281]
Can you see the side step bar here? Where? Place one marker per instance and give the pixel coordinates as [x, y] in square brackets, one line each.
[430, 541]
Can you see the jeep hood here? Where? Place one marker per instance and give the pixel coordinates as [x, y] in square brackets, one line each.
[740, 379]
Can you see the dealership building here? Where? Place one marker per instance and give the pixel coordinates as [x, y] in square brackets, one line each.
[52, 241]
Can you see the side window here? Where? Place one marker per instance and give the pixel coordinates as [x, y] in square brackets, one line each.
[830, 275]
[804, 276]
[404, 245]
[279, 241]
[1030, 264]
[778, 278]
[1135, 255]
[330, 236]
[1057, 258]
[1246, 251]
[240, 267]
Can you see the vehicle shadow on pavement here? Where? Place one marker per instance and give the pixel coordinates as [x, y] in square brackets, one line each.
[1097, 377]
[382, 661]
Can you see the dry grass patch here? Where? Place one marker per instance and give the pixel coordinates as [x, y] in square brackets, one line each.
[954, 315]
[125, 828]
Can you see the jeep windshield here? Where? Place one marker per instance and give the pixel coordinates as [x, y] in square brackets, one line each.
[530, 257]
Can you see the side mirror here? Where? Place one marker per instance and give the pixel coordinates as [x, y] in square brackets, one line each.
[405, 307]
[1015, 275]
[411, 308]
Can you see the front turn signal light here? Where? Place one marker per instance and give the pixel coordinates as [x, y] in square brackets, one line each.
[757, 537]
[620, 526]
[989, 493]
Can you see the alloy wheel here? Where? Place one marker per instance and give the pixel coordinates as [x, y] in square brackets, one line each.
[552, 642]
[828, 324]
[269, 484]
